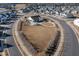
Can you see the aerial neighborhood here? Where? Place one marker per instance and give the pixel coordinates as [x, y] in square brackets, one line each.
[39, 29]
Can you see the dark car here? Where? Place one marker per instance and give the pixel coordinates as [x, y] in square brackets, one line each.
[70, 16]
[0, 33]
[1, 45]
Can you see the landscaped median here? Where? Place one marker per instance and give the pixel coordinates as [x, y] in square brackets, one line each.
[25, 46]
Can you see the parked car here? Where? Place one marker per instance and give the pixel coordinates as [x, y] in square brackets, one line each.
[1, 45]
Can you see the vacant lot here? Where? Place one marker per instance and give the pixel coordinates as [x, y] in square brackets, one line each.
[40, 35]
[21, 5]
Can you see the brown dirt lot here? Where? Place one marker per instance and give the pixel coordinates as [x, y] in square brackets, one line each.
[40, 36]
[21, 5]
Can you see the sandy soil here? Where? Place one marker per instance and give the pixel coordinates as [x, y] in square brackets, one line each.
[40, 36]
[20, 6]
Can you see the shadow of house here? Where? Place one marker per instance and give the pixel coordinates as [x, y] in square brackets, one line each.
[7, 45]
[4, 35]
[6, 23]
[4, 28]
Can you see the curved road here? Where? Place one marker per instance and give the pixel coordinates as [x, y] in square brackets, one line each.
[71, 46]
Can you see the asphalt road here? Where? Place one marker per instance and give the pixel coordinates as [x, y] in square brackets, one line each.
[71, 46]
[11, 46]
